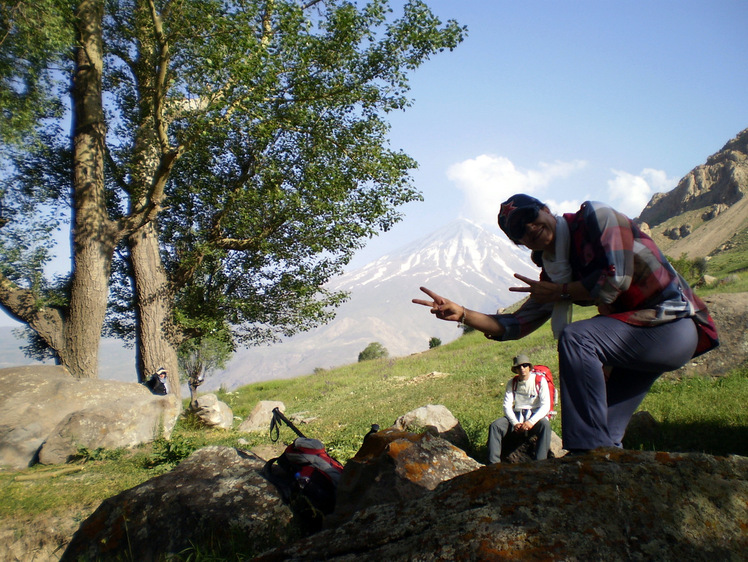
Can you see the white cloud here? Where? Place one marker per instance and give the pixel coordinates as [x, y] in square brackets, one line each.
[630, 193]
[487, 180]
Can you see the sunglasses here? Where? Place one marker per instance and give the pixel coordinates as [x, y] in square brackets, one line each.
[519, 219]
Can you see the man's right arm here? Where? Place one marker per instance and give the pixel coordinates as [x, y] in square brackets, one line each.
[509, 403]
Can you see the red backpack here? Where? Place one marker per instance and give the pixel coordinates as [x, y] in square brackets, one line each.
[305, 471]
[542, 372]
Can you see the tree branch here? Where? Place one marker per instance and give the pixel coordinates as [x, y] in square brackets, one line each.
[21, 304]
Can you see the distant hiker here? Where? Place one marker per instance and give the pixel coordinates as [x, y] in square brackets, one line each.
[527, 402]
[650, 320]
[158, 382]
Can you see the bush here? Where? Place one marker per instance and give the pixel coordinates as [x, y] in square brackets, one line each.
[692, 270]
[434, 342]
[374, 350]
[171, 452]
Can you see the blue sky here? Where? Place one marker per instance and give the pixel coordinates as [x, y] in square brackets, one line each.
[568, 101]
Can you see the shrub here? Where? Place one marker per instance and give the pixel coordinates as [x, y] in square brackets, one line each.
[374, 350]
[691, 269]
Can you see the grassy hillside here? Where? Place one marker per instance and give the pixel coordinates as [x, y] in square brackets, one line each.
[467, 376]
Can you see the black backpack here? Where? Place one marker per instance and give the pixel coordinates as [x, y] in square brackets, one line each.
[305, 474]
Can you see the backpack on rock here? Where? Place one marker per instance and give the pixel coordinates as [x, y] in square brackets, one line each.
[305, 474]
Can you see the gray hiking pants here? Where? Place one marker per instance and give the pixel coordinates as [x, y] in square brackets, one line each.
[502, 426]
[596, 411]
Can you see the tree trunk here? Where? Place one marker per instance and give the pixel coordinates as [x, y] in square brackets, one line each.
[193, 394]
[156, 339]
[94, 235]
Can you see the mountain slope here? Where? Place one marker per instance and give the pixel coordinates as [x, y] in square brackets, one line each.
[461, 261]
[707, 209]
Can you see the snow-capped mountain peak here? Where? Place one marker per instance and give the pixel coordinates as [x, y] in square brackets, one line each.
[461, 261]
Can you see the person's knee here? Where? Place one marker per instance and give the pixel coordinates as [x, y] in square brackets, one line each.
[495, 426]
[569, 332]
[577, 333]
[541, 427]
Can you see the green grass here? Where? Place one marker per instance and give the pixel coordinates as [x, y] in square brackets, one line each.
[695, 414]
[731, 267]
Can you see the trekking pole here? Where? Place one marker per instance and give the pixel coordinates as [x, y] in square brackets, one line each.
[275, 424]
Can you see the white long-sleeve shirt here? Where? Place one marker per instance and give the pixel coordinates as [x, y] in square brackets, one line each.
[527, 404]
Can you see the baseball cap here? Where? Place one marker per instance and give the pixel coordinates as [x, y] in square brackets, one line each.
[516, 212]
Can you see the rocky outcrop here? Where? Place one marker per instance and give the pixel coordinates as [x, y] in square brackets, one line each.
[721, 181]
[707, 209]
[395, 466]
[46, 415]
[407, 496]
[607, 505]
[216, 499]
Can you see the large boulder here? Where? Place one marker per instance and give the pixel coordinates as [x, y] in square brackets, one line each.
[607, 505]
[215, 499]
[46, 414]
[407, 496]
[395, 466]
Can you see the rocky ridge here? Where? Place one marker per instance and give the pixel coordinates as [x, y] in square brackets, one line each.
[707, 209]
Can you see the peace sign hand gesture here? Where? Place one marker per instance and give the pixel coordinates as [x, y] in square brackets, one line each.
[442, 308]
[540, 291]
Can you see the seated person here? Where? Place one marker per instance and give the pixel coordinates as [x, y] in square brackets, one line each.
[158, 382]
[525, 411]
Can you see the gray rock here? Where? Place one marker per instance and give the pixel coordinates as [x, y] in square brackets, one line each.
[259, 418]
[216, 498]
[643, 428]
[437, 417]
[517, 448]
[44, 405]
[111, 425]
[212, 412]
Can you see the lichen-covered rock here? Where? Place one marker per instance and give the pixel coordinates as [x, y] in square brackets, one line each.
[395, 466]
[607, 505]
[214, 499]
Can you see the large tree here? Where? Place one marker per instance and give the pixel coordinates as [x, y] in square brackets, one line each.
[235, 152]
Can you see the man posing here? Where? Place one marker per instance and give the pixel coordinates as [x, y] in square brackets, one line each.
[526, 406]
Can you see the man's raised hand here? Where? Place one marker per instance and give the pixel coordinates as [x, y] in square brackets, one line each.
[442, 308]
